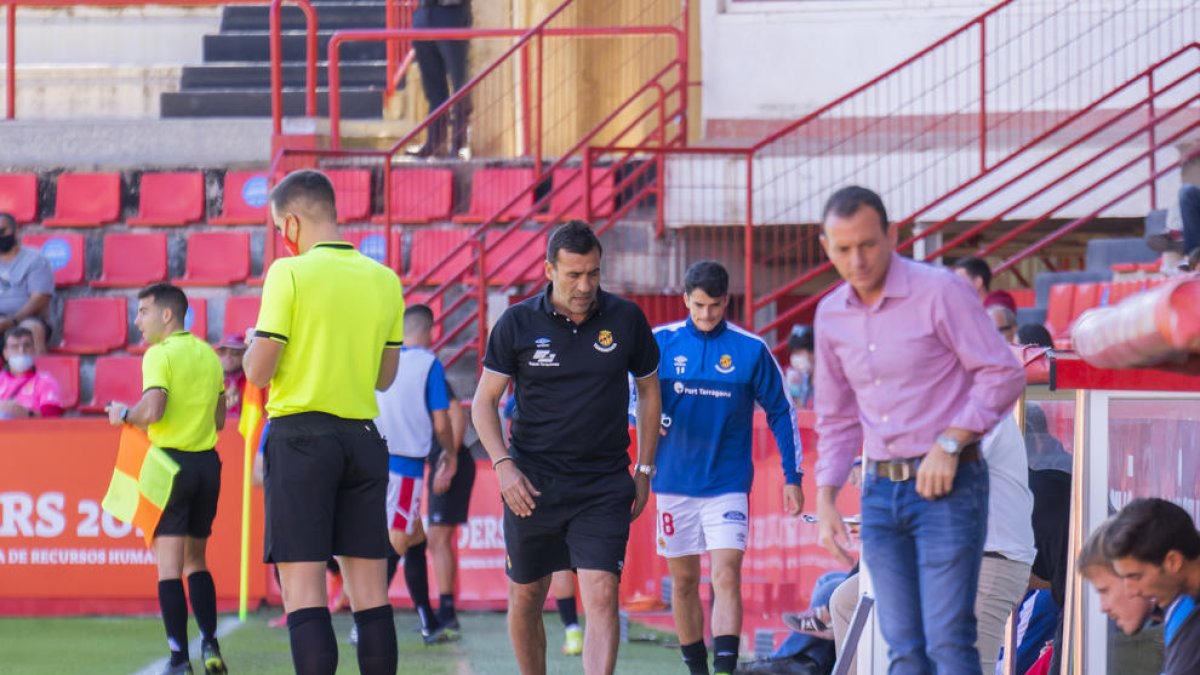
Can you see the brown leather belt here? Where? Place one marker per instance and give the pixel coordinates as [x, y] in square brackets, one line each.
[900, 470]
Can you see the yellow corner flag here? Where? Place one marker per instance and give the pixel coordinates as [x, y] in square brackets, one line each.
[141, 482]
[250, 427]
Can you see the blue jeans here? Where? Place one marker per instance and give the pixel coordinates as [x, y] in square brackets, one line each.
[924, 559]
[1189, 212]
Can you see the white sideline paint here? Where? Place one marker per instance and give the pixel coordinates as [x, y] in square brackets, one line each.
[224, 627]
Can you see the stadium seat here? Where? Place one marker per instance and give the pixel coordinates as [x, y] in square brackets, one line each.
[93, 325]
[1058, 311]
[241, 313]
[116, 378]
[65, 371]
[19, 196]
[372, 243]
[170, 199]
[1024, 297]
[216, 259]
[352, 190]
[420, 195]
[133, 260]
[86, 200]
[1125, 289]
[492, 189]
[64, 252]
[430, 246]
[244, 198]
[568, 203]
[1087, 296]
[516, 259]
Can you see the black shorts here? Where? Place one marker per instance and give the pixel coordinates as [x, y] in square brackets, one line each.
[192, 506]
[451, 508]
[580, 522]
[325, 489]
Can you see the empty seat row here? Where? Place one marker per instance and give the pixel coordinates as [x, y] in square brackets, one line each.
[133, 260]
[101, 325]
[414, 196]
[508, 259]
[1068, 301]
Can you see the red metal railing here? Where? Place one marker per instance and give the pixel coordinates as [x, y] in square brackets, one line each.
[310, 55]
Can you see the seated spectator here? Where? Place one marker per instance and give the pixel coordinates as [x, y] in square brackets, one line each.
[1005, 321]
[231, 350]
[1155, 549]
[809, 649]
[798, 375]
[1034, 334]
[24, 392]
[1179, 242]
[26, 286]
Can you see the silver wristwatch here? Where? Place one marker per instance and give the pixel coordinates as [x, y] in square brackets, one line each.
[949, 444]
[648, 469]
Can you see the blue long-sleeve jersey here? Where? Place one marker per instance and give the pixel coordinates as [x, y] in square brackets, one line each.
[710, 383]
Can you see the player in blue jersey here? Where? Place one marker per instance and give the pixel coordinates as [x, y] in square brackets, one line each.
[712, 373]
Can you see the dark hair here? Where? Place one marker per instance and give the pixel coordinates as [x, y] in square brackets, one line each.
[848, 200]
[976, 268]
[574, 236]
[1092, 553]
[1148, 529]
[802, 337]
[1034, 334]
[169, 297]
[307, 185]
[1035, 419]
[6, 216]
[17, 332]
[709, 276]
[420, 315]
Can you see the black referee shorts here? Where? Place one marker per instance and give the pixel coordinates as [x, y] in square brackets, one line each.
[325, 489]
[452, 507]
[192, 506]
[580, 522]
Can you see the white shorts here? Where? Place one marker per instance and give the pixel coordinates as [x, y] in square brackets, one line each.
[693, 525]
[404, 502]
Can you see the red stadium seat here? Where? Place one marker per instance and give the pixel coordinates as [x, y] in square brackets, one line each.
[216, 259]
[1124, 289]
[170, 199]
[492, 189]
[352, 191]
[241, 313]
[19, 196]
[86, 200]
[430, 246]
[1025, 297]
[421, 195]
[516, 259]
[93, 325]
[568, 203]
[133, 260]
[373, 244]
[1087, 296]
[116, 378]
[1059, 307]
[65, 371]
[65, 253]
[244, 198]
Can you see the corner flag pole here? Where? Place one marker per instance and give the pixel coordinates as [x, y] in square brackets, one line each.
[250, 426]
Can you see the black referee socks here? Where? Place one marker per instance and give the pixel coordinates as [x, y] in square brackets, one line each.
[376, 641]
[203, 595]
[314, 647]
[695, 657]
[725, 653]
[568, 612]
[174, 613]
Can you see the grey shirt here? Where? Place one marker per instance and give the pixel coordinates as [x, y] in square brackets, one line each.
[25, 275]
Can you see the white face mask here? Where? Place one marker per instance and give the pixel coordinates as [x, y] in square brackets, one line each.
[20, 363]
[801, 363]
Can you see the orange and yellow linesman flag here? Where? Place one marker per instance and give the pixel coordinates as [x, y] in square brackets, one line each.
[250, 426]
[141, 482]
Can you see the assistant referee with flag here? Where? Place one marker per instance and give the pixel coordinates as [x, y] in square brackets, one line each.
[327, 337]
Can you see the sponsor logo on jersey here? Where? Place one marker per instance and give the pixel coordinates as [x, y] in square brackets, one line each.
[544, 358]
[725, 364]
[604, 342]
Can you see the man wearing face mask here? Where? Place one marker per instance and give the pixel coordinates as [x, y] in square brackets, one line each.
[800, 366]
[26, 286]
[24, 392]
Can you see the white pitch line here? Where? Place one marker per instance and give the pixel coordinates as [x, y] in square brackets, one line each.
[224, 627]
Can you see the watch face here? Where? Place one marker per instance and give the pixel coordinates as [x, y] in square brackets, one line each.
[950, 445]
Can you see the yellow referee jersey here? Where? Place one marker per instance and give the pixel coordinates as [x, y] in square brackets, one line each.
[188, 369]
[336, 310]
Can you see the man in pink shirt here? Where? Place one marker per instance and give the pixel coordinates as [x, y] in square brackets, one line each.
[910, 370]
[24, 392]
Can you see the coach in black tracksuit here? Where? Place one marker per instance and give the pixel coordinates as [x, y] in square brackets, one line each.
[443, 64]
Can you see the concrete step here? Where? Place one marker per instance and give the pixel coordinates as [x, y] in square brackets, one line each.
[330, 16]
[258, 75]
[357, 103]
[256, 46]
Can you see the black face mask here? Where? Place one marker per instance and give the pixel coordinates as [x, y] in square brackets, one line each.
[8, 242]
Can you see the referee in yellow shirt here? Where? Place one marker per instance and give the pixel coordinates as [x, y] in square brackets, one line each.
[182, 408]
[328, 336]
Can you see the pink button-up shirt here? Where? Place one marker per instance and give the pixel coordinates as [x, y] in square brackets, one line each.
[33, 391]
[891, 377]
